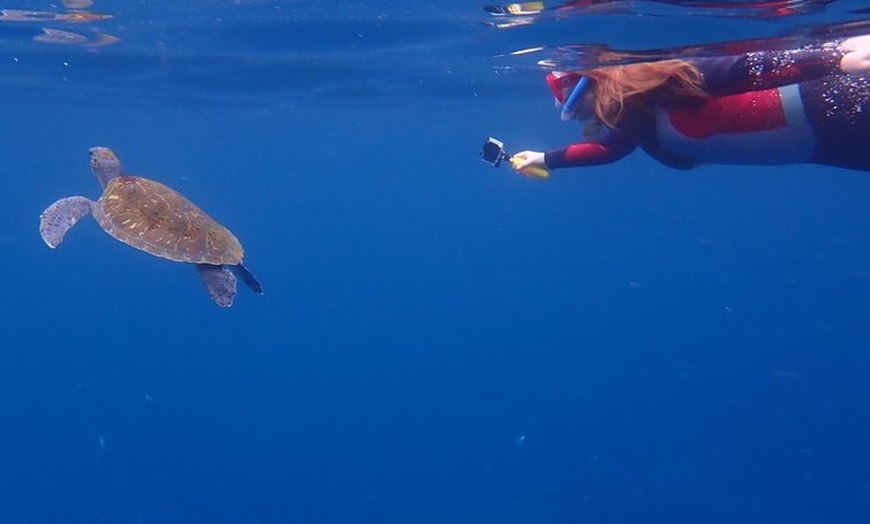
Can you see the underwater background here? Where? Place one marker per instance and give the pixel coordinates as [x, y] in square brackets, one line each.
[439, 341]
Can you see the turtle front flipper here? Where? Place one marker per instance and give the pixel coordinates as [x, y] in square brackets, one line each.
[248, 278]
[59, 217]
[220, 282]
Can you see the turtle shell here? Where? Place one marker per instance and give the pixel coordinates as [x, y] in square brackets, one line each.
[158, 220]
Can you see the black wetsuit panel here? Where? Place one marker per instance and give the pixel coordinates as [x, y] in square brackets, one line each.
[838, 108]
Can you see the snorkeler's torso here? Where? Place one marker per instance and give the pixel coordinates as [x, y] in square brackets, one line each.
[757, 127]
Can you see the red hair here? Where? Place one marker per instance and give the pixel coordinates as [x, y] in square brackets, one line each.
[640, 86]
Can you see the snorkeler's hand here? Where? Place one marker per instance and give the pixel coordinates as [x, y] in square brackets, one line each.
[530, 164]
[856, 54]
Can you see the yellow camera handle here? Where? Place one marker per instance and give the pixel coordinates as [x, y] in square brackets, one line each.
[532, 172]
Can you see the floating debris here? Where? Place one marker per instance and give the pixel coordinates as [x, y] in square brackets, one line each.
[57, 36]
[102, 40]
[77, 4]
[22, 15]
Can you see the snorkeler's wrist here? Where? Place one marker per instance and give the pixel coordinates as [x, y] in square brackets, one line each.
[821, 62]
[549, 159]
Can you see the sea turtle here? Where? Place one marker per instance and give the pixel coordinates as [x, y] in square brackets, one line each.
[156, 219]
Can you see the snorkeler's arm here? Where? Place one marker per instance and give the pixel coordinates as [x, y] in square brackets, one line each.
[759, 70]
[590, 153]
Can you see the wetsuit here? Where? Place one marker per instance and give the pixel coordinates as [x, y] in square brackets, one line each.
[766, 107]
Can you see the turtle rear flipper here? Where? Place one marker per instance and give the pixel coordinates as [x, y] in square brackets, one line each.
[220, 282]
[59, 217]
[248, 278]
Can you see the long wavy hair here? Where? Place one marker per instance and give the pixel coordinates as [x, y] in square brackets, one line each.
[639, 87]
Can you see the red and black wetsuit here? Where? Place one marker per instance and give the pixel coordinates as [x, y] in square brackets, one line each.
[767, 107]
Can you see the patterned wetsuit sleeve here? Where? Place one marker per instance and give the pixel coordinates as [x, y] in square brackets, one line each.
[590, 153]
[769, 69]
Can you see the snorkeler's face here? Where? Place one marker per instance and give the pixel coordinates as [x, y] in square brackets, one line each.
[584, 109]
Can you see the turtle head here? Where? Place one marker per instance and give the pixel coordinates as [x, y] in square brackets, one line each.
[105, 165]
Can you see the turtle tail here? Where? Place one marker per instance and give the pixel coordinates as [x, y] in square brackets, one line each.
[248, 278]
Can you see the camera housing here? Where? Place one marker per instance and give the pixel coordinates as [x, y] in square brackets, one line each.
[492, 152]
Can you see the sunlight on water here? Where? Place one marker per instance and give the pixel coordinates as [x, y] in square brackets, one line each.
[242, 51]
[238, 50]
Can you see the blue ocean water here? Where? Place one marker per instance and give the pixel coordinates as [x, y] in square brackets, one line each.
[440, 341]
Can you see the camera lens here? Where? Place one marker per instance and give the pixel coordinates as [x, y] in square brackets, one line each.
[491, 152]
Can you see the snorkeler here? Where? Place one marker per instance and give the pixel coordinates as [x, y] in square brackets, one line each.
[806, 105]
